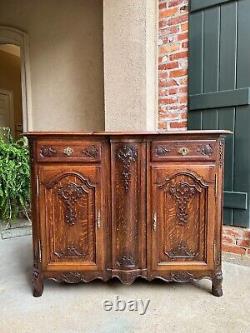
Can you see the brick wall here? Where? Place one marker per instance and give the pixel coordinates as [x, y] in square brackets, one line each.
[236, 240]
[173, 64]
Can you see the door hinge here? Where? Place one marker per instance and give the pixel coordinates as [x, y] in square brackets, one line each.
[98, 219]
[154, 221]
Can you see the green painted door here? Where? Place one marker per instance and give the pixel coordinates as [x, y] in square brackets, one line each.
[219, 91]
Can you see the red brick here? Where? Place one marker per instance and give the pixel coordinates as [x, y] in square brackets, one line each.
[178, 73]
[184, 45]
[165, 31]
[171, 83]
[168, 100]
[184, 26]
[233, 249]
[181, 124]
[243, 242]
[178, 19]
[170, 47]
[183, 36]
[183, 99]
[163, 75]
[179, 55]
[163, 24]
[173, 3]
[233, 231]
[162, 5]
[228, 240]
[169, 65]
[183, 90]
[168, 12]
[172, 91]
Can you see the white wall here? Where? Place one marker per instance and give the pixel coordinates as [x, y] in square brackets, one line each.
[66, 60]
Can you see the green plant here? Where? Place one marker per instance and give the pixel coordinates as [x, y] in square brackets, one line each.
[14, 177]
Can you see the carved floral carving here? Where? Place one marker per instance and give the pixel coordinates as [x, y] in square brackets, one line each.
[182, 191]
[126, 261]
[91, 151]
[48, 151]
[70, 194]
[70, 251]
[71, 277]
[181, 252]
[206, 150]
[162, 150]
[127, 155]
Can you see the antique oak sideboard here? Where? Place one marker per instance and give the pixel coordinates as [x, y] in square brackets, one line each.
[127, 205]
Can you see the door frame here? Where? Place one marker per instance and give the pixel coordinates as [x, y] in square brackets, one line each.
[9, 35]
[9, 93]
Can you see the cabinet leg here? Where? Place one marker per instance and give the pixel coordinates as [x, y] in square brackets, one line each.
[37, 282]
[217, 284]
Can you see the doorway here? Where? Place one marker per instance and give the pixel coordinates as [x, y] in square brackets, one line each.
[10, 89]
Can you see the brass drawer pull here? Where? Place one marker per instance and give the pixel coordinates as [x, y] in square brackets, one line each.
[183, 151]
[68, 151]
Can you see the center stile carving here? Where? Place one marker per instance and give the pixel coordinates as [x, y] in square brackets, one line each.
[127, 155]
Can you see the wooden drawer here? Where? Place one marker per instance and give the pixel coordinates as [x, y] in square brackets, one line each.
[183, 150]
[63, 151]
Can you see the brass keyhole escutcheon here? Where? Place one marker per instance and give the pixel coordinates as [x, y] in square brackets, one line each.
[68, 151]
[183, 151]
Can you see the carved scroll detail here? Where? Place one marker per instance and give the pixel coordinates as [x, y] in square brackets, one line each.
[47, 151]
[70, 251]
[91, 151]
[127, 155]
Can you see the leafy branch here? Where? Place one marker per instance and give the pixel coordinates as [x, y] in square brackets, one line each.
[14, 178]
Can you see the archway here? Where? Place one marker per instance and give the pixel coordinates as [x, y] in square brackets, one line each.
[9, 35]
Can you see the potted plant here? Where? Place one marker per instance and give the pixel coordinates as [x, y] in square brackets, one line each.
[14, 177]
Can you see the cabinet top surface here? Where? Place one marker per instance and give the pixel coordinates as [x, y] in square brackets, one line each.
[103, 133]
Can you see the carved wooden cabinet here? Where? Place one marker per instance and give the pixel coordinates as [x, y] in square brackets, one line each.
[127, 205]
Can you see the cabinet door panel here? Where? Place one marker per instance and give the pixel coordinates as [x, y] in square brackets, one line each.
[70, 213]
[183, 216]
